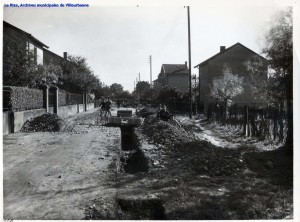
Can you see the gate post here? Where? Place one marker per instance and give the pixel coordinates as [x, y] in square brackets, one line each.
[85, 101]
[46, 98]
[55, 106]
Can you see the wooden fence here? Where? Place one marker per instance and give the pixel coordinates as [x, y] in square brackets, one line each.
[263, 122]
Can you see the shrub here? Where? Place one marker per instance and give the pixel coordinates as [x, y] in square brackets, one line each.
[90, 98]
[23, 98]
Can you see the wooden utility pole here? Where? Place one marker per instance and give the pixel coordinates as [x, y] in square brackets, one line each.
[150, 70]
[150, 60]
[140, 85]
[190, 71]
[134, 87]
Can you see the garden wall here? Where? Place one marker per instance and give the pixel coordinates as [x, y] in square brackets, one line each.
[19, 118]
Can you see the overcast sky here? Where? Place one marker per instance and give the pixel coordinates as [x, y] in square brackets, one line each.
[117, 40]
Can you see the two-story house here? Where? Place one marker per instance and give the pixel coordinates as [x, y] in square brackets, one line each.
[174, 75]
[236, 58]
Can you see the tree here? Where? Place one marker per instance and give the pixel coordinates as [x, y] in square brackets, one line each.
[142, 88]
[279, 50]
[20, 70]
[258, 79]
[226, 88]
[115, 90]
[78, 76]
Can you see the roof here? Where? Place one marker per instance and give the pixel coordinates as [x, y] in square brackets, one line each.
[25, 33]
[226, 50]
[174, 68]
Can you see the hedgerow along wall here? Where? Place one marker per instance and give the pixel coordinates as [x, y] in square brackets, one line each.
[21, 104]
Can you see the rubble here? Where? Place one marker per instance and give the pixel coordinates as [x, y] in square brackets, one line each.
[47, 122]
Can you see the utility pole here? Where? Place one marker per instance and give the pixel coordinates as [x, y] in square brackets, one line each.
[140, 85]
[150, 60]
[134, 87]
[190, 74]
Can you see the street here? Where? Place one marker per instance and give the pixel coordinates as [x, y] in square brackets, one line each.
[53, 175]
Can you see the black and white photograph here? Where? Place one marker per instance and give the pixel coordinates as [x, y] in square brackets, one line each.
[150, 110]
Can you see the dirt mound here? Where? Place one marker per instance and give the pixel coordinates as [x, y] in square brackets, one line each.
[165, 133]
[47, 122]
[204, 158]
[146, 112]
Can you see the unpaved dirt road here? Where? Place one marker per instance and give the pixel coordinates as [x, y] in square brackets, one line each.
[150, 172]
[55, 175]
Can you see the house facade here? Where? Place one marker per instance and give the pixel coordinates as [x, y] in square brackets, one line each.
[236, 58]
[174, 75]
[17, 42]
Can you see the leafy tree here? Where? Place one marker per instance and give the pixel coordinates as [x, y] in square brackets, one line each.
[20, 70]
[258, 79]
[171, 97]
[226, 88]
[279, 50]
[115, 90]
[125, 95]
[78, 76]
[142, 90]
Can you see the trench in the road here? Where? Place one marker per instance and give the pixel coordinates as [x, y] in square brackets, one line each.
[133, 160]
[130, 207]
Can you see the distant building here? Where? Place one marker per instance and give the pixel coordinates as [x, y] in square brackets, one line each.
[174, 75]
[236, 58]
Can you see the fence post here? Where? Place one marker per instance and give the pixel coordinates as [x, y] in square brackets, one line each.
[85, 101]
[11, 121]
[46, 97]
[55, 105]
[246, 121]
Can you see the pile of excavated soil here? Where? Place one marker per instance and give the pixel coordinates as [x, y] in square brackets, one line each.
[47, 122]
[165, 133]
[188, 153]
[206, 159]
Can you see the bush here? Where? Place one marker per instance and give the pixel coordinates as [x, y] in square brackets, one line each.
[23, 98]
[90, 98]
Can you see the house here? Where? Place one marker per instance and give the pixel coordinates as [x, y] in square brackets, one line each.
[236, 58]
[15, 39]
[52, 58]
[17, 42]
[174, 75]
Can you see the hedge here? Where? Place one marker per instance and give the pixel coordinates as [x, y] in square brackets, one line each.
[62, 98]
[73, 99]
[23, 98]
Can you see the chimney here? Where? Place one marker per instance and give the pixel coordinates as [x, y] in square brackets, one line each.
[186, 64]
[222, 48]
[65, 55]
